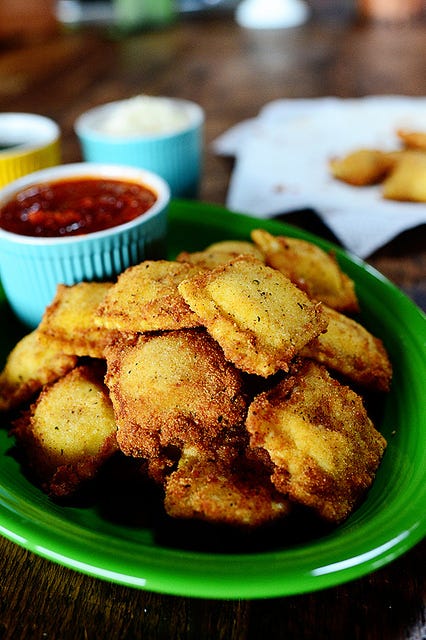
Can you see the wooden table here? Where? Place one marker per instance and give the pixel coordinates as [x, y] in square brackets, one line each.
[232, 73]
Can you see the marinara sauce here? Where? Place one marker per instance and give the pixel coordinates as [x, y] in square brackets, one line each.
[74, 206]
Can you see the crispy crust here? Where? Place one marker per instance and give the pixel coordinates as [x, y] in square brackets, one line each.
[146, 298]
[310, 268]
[235, 493]
[65, 448]
[220, 253]
[69, 321]
[324, 447]
[185, 349]
[32, 363]
[349, 349]
[259, 318]
[173, 389]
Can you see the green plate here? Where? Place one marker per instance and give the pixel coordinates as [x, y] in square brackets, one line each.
[149, 554]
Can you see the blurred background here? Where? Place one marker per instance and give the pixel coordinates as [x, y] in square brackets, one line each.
[104, 10]
[37, 18]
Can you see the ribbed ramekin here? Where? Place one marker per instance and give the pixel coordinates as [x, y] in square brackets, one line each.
[176, 156]
[32, 267]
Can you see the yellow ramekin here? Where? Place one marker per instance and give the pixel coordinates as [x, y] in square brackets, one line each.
[28, 142]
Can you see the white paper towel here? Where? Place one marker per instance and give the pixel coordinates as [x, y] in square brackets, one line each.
[282, 164]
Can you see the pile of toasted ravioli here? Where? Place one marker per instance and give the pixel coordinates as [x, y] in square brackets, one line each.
[401, 172]
[236, 377]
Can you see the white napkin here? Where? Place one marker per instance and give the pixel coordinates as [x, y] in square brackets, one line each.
[282, 164]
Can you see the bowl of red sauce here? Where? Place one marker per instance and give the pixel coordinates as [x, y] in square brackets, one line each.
[76, 222]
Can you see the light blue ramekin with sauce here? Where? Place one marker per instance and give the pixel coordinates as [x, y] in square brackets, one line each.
[32, 267]
[159, 134]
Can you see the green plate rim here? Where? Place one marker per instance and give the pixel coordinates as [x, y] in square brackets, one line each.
[343, 555]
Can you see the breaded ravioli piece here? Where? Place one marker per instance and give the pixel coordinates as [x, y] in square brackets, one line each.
[69, 320]
[220, 253]
[309, 267]
[256, 314]
[171, 389]
[237, 493]
[33, 362]
[69, 432]
[361, 167]
[146, 298]
[351, 350]
[407, 181]
[412, 139]
[324, 447]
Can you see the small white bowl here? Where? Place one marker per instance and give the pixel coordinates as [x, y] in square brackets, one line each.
[175, 152]
[32, 267]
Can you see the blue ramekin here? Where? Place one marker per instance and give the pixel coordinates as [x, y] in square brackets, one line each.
[176, 156]
[31, 268]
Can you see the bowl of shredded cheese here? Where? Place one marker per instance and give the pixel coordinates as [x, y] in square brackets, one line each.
[159, 134]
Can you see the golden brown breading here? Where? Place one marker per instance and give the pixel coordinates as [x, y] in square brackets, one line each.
[412, 139]
[33, 362]
[146, 298]
[318, 435]
[361, 167]
[69, 431]
[235, 493]
[256, 314]
[170, 345]
[309, 267]
[69, 320]
[407, 181]
[171, 389]
[348, 348]
[219, 253]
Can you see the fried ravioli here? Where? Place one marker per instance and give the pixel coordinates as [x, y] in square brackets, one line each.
[309, 267]
[323, 445]
[32, 363]
[361, 167]
[407, 182]
[69, 320]
[172, 389]
[412, 139]
[220, 253]
[69, 432]
[146, 298]
[256, 314]
[237, 493]
[210, 375]
[348, 348]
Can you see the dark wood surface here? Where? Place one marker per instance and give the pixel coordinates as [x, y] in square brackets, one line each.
[232, 73]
